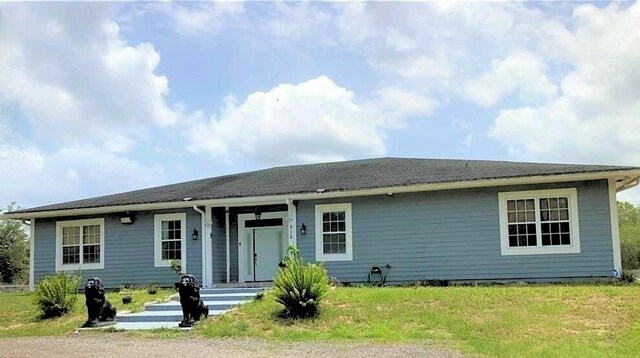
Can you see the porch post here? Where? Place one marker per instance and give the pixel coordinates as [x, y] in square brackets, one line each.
[207, 237]
[293, 226]
[226, 226]
[32, 255]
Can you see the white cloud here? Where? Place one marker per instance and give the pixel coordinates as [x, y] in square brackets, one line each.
[595, 117]
[400, 103]
[32, 177]
[68, 70]
[311, 121]
[521, 72]
[294, 21]
[202, 20]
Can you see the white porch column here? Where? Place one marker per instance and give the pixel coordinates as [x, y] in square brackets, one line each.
[207, 238]
[226, 226]
[615, 229]
[293, 224]
[32, 254]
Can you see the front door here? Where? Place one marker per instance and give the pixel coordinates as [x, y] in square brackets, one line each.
[267, 252]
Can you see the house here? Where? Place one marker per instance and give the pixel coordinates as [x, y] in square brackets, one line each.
[426, 218]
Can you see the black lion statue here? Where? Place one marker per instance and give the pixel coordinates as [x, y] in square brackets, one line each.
[98, 308]
[192, 306]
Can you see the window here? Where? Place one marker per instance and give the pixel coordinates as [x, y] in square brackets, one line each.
[539, 222]
[170, 239]
[333, 232]
[80, 244]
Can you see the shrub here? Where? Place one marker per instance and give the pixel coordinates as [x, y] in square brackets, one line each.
[56, 294]
[628, 276]
[152, 289]
[300, 287]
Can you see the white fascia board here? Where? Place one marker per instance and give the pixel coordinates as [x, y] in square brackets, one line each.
[282, 198]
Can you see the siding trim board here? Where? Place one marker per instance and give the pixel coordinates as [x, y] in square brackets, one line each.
[615, 229]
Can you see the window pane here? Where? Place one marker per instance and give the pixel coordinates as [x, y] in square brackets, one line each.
[530, 204]
[546, 239]
[334, 216]
[563, 203]
[91, 254]
[91, 234]
[341, 215]
[325, 216]
[544, 203]
[564, 227]
[531, 216]
[544, 215]
[511, 205]
[513, 241]
[325, 227]
[511, 217]
[520, 205]
[565, 239]
[532, 240]
[71, 235]
[553, 203]
[553, 215]
[71, 255]
[513, 230]
[341, 226]
[555, 239]
[564, 214]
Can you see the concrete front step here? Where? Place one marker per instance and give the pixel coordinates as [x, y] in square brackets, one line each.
[243, 296]
[169, 314]
[133, 326]
[159, 316]
[208, 291]
[175, 306]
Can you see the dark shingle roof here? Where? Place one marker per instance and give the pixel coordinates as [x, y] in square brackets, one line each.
[338, 176]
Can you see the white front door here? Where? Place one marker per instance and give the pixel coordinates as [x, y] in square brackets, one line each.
[267, 249]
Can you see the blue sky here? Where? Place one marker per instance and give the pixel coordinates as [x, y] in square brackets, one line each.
[108, 97]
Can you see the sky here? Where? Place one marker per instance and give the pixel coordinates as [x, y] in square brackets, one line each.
[102, 98]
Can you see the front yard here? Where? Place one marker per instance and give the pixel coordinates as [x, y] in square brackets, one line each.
[19, 316]
[530, 320]
[519, 320]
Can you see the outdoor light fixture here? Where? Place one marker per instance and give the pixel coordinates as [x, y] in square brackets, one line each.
[195, 234]
[258, 213]
[126, 218]
[303, 229]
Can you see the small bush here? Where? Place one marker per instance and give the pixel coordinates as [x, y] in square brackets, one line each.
[56, 294]
[300, 287]
[628, 276]
[152, 289]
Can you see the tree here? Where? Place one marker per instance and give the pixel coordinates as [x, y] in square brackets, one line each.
[14, 249]
[629, 221]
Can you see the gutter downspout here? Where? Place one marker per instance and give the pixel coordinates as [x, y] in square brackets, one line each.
[32, 255]
[203, 217]
[226, 226]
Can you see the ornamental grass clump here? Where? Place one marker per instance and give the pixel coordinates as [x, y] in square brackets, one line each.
[300, 287]
[56, 294]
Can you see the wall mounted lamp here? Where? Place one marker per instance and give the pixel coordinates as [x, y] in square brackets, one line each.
[257, 213]
[126, 218]
[303, 229]
[195, 234]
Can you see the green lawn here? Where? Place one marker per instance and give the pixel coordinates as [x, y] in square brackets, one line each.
[501, 321]
[19, 316]
[504, 321]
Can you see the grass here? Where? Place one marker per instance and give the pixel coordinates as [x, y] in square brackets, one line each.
[502, 321]
[19, 315]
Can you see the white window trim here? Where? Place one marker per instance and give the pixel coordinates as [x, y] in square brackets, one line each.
[157, 238]
[80, 266]
[348, 255]
[574, 223]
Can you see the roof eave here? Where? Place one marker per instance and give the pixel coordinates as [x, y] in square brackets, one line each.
[625, 176]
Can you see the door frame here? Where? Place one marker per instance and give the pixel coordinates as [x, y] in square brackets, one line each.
[243, 274]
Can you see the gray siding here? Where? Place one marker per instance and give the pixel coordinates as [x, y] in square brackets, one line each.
[454, 235]
[219, 246]
[128, 251]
